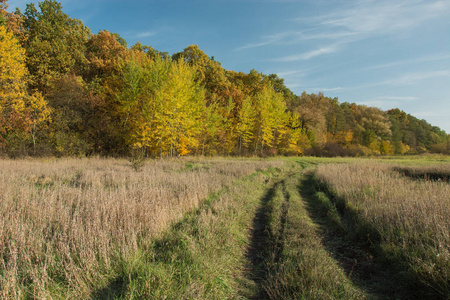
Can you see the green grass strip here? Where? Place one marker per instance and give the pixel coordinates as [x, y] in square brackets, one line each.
[299, 266]
[201, 257]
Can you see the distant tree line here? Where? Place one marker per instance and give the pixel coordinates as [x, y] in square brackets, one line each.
[65, 91]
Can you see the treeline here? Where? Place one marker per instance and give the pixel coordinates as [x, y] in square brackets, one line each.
[65, 91]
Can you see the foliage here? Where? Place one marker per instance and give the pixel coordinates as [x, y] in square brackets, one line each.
[392, 213]
[56, 43]
[22, 115]
[67, 92]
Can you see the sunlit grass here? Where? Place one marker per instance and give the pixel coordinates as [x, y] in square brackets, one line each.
[409, 220]
[66, 224]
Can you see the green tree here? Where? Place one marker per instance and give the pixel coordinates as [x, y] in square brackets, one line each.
[56, 44]
[312, 110]
[67, 99]
[373, 127]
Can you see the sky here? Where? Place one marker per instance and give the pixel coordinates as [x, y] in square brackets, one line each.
[381, 53]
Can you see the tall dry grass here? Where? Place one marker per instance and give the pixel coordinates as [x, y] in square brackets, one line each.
[66, 224]
[437, 173]
[412, 218]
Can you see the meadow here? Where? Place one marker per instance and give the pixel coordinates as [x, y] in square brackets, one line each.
[403, 211]
[66, 223]
[224, 228]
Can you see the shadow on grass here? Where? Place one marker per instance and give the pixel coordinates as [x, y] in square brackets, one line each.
[283, 219]
[114, 290]
[260, 241]
[266, 246]
[418, 175]
[357, 247]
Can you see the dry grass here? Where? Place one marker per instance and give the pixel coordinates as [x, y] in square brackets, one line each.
[65, 224]
[437, 173]
[412, 218]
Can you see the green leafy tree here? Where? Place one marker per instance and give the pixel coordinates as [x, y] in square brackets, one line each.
[56, 43]
[373, 127]
[312, 110]
[67, 98]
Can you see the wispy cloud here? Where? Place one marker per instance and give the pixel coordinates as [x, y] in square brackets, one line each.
[145, 34]
[273, 39]
[409, 61]
[370, 18]
[430, 113]
[387, 101]
[310, 54]
[405, 79]
[334, 89]
[356, 21]
[142, 34]
[411, 78]
[284, 74]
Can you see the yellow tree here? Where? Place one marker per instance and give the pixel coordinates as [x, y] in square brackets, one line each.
[12, 72]
[38, 115]
[134, 101]
[12, 84]
[294, 139]
[272, 116]
[183, 103]
[246, 124]
[162, 105]
[211, 123]
[19, 112]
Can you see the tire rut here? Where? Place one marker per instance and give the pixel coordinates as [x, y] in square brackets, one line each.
[266, 246]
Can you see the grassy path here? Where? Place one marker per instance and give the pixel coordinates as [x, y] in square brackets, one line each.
[201, 257]
[263, 242]
[287, 252]
[253, 240]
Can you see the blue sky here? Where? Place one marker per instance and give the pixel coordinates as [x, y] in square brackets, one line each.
[384, 53]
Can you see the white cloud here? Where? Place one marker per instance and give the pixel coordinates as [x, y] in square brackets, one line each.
[273, 39]
[284, 74]
[430, 113]
[328, 89]
[358, 20]
[387, 102]
[371, 18]
[405, 79]
[145, 34]
[409, 61]
[308, 55]
[412, 78]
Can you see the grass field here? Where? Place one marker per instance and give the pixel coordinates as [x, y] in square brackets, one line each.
[286, 228]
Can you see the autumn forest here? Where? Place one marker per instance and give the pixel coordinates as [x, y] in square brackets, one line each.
[65, 91]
